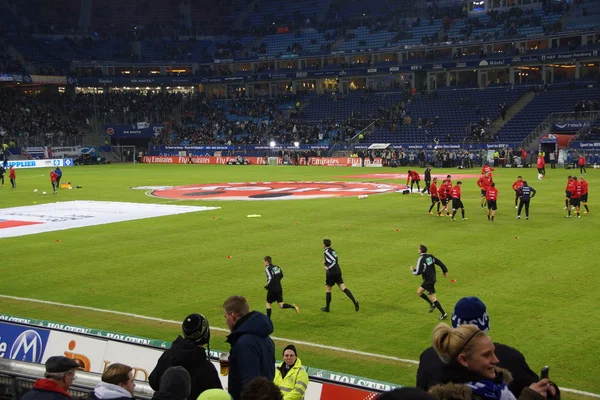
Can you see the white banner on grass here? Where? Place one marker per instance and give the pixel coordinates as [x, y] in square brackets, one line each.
[29, 220]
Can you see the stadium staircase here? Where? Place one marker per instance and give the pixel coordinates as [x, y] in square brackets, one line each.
[185, 9]
[511, 112]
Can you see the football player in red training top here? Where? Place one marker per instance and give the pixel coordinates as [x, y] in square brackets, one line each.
[516, 186]
[435, 196]
[541, 167]
[569, 191]
[444, 191]
[456, 201]
[581, 164]
[491, 194]
[484, 183]
[486, 169]
[54, 180]
[584, 194]
[413, 177]
[576, 192]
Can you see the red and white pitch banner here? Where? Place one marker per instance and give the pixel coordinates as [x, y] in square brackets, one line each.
[324, 161]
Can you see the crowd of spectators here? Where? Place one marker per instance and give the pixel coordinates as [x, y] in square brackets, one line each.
[34, 119]
[121, 107]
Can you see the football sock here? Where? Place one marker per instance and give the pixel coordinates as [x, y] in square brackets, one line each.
[286, 305]
[453, 213]
[492, 217]
[269, 313]
[488, 217]
[462, 211]
[567, 203]
[438, 207]
[439, 306]
[349, 294]
[569, 212]
[327, 300]
[586, 208]
[431, 208]
[426, 298]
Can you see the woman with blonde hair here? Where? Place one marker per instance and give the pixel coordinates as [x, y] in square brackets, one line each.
[472, 368]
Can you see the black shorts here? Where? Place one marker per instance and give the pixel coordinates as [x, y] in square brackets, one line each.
[457, 203]
[416, 181]
[541, 170]
[568, 194]
[444, 201]
[575, 202]
[583, 198]
[492, 205]
[429, 287]
[434, 199]
[274, 297]
[332, 280]
[482, 192]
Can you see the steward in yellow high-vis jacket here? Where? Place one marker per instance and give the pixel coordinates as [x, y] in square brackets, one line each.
[290, 377]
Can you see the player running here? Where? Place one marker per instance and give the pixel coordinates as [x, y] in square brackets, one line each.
[426, 267]
[435, 196]
[334, 276]
[274, 289]
[484, 183]
[457, 202]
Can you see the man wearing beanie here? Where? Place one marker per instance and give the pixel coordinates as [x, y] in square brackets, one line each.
[174, 385]
[472, 311]
[290, 377]
[59, 376]
[188, 352]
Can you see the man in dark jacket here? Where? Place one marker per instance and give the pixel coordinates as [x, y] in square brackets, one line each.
[189, 353]
[174, 385]
[427, 180]
[471, 310]
[252, 350]
[59, 376]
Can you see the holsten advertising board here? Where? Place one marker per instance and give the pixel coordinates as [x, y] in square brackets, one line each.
[32, 340]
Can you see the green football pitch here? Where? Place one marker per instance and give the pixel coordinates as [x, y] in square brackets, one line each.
[537, 277]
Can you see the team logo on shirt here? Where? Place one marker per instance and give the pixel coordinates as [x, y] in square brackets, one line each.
[272, 190]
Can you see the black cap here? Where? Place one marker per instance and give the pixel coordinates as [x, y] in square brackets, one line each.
[58, 364]
[292, 348]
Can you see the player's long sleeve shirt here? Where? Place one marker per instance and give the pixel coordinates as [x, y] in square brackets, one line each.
[331, 261]
[426, 267]
[274, 277]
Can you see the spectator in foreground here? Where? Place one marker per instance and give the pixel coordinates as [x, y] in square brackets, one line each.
[188, 352]
[117, 384]
[290, 377]
[472, 368]
[471, 310]
[261, 388]
[59, 376]
[174, 385]
[252, 350]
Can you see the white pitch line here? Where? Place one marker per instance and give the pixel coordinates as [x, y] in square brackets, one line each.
[308, 344]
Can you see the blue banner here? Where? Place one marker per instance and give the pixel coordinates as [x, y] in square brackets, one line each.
[22, 343]
[586, 145]
[140, 130]
[569, 126]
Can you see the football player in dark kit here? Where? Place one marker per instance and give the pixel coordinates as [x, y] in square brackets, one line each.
[426, 267]
[274, 289]
[334, 276]
[526, 193]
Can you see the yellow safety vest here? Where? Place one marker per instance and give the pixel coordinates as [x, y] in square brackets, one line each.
[293, 386]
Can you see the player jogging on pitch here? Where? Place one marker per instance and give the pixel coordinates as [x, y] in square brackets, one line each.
[334, 276]
[426, 267]
[274, 289]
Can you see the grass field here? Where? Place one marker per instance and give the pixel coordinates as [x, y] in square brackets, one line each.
[540, 289]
